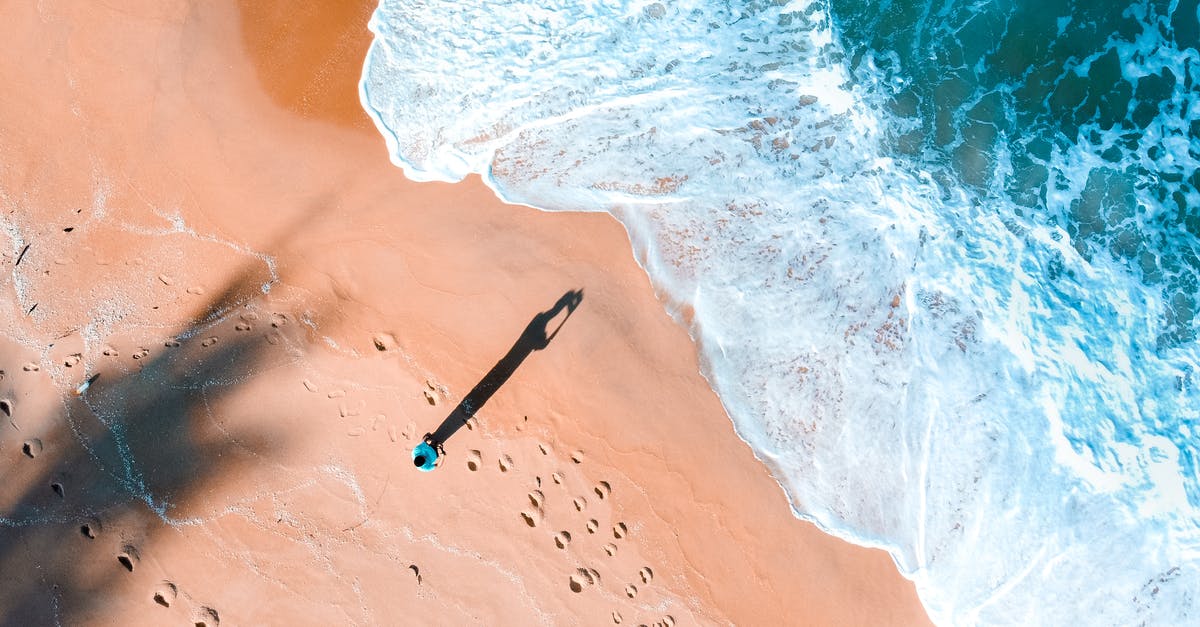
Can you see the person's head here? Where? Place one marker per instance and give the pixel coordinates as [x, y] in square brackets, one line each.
[419, 461]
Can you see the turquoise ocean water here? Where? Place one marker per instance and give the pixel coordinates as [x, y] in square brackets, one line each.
[943, 256]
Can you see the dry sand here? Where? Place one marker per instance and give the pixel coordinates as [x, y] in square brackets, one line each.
[244, 456]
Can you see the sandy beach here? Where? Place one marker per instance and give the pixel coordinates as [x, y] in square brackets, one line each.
[199, 219]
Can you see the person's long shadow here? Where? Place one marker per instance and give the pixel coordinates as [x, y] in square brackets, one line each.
[535, 337]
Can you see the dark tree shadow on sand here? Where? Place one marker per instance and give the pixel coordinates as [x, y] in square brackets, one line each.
[535, 337]
[85, 487]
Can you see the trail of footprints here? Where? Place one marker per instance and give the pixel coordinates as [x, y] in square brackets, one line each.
[246, 322]
[165, 593]
[354, 409]
[349, 408]
[534, 516]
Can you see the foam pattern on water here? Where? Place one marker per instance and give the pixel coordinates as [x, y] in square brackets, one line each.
[925, 366]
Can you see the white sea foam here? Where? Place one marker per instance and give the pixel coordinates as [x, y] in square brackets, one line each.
[923, 370]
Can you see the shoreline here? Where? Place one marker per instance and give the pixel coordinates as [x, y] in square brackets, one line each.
[279, 450]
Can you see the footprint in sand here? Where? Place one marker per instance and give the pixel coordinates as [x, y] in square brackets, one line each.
[58, 489]
[110, 352]
[416, 572]
[278, 320]
[207, 617]
[6, 407]
[432, 397]
[171, 343]
[577, 457]
[557, 478]
[533, 516]
[309, 385]
[195, 290]
[583, 578]
[141, 353]
[242, 327]
[473, 460]
[646, 574]
[89, 530]
[128, 557]
[506, 463]
[72, 359]
[616, 617]
[336, 394]
[32, 448]
[542, 448]
[384, 342]
[31, 367]
[631, 591]
[592, 525]
[580, 503]
[668, 621]
[602, 490]
[562, 539]
[209, 341]
[620, 530]
[611, 549]
[165, 593]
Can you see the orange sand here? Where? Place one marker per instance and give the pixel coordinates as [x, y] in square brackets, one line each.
[163, 160]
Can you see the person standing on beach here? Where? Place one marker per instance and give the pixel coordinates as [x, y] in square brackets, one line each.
[428, 454]
[536, 336]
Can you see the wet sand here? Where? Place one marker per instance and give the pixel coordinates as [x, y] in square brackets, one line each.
[204, 218]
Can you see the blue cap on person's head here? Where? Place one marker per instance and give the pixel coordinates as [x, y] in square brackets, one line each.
[424, 457]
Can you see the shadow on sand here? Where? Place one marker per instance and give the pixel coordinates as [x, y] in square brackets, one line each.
[535, 337]
[86, 483]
